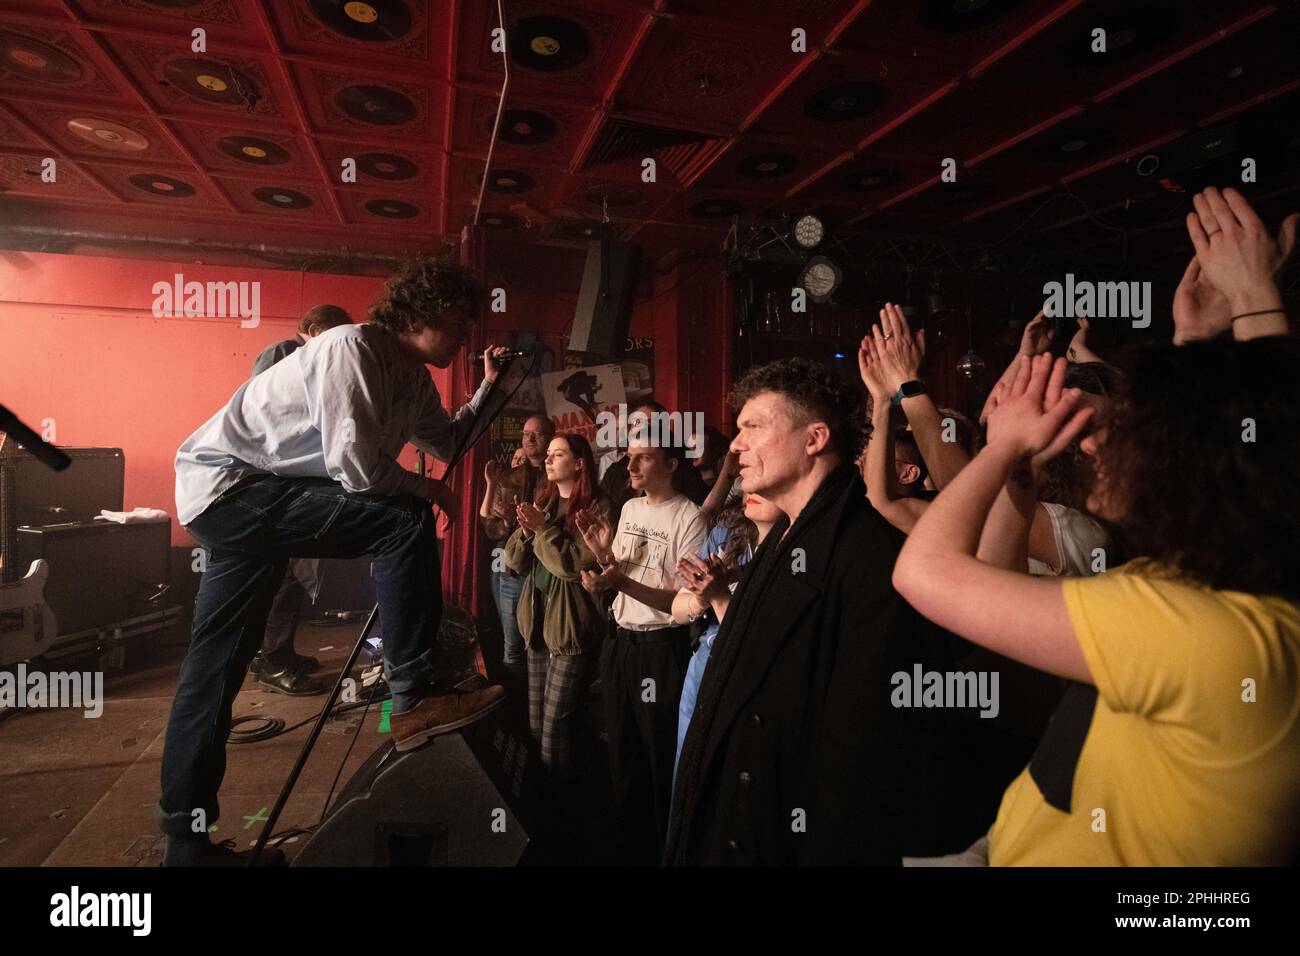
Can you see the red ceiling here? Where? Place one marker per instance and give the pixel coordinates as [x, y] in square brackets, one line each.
[244, 142]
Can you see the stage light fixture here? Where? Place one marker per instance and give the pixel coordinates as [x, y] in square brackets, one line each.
[821, 278]
[809, 231]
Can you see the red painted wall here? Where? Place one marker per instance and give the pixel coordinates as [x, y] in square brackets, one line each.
[80, 345]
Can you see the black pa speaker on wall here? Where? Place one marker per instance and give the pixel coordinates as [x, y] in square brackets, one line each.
[605, 300]
[460, 800]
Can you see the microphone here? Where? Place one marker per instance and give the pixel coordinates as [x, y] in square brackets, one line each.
[507, 355]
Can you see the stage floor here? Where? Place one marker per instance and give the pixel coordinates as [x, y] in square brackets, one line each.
[81, 792]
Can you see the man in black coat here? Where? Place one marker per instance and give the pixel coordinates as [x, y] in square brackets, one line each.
[795, 754]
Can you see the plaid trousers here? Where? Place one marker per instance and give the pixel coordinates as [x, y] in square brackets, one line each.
[557, 688]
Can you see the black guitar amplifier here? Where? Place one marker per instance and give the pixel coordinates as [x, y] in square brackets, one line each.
[33, 494]
[101, 572]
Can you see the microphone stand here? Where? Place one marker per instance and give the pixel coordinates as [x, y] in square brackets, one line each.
[37, 446]
[471, 437]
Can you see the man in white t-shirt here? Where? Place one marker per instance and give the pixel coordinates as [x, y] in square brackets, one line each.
[643, 672]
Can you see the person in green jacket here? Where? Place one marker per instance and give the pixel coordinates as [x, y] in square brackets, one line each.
[562, 623]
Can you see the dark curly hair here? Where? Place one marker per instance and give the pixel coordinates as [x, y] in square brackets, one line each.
[422, 291]
[817, 394]
[1194, 493]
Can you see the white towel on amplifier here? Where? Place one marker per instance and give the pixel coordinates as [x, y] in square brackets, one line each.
[134, 515]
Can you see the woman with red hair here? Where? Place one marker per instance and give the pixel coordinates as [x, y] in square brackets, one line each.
[562, 623]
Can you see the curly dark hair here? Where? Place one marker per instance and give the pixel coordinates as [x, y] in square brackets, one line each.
[422, 291]
[1196, 495]
[816, 392]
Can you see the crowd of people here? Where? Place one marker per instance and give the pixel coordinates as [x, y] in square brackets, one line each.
[1067, 632]
[1113, 545]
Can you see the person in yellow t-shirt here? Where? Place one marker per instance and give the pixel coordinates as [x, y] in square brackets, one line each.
[1179, 740]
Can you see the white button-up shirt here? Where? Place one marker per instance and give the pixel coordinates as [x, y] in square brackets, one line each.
[341, 407]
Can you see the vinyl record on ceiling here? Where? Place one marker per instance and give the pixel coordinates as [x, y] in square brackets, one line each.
[37, 60]
[372, 20]
[1132, 33]
[105, 134]
[499, 220]
[281, 197]
[253, 149]
[958, 16]
[509, 181]
[525, 127]
[844, 101]
[386, 166]
[376, 105]
[172, 4]
[159, 185]
[869, 179]
[392, 209]
[767, 165]
[714, 209]
[1065, 147]
[548, 43]
[212, 81]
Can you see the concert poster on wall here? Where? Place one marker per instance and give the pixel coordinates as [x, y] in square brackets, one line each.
[575, 398]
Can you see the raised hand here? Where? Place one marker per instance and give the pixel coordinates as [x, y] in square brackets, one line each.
[492, 471]
[1037, 336]
[1235, 250]
[1201, 311]
[871, 368]
[1032, 417]
[900, 352]
[1078, 350]
[597, 534]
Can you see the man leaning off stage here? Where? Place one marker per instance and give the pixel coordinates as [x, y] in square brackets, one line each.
[795, 754]
[302, 462]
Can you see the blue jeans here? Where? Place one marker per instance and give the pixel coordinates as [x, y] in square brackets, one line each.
[691, 690]
[506, 588]
[250, 532]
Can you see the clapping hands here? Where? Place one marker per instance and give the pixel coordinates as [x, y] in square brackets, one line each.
[707, 578]
[531, 518]
[1234, 268]
[1031, 418]
[891, 354]
[597, 534]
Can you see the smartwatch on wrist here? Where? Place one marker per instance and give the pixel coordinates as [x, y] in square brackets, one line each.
[907, 390]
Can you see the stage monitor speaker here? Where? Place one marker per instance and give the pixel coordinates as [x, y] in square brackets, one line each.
[460, 800]
[605, 300]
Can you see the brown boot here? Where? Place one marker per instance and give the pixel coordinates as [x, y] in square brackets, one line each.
[440, 713]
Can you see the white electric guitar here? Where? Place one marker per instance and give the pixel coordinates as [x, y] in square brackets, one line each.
[27, 625]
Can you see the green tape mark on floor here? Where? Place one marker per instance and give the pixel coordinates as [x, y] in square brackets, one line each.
[384, 713]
